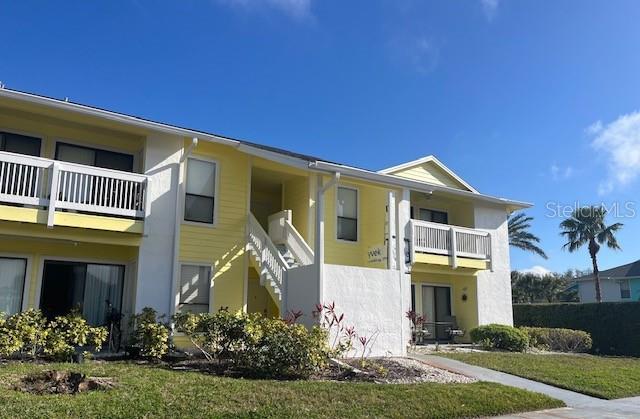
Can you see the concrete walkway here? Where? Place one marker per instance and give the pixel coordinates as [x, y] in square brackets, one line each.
[578, 405]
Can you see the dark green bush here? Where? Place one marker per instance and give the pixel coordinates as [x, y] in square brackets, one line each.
[499, 336]
[614, 327]
[558, 339]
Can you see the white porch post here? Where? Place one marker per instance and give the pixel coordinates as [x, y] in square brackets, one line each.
[392, 260]
[319, 230]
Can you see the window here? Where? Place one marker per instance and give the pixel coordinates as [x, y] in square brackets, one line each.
[12, 276]
[433, 215]
[201, 188]
[625, 290]
[347, 214]
[194, 288]
[21, 144]
[94, 157]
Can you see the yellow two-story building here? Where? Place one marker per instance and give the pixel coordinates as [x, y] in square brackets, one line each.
[101, 210]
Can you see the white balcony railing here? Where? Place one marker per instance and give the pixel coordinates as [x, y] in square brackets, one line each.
[52, 185]
[443, 239]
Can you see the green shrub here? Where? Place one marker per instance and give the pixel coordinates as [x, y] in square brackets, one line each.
[557, 339]
[498, 336]
[255, 345]
[29, 333]
[614, 327]
[150, 336]
[281, 350]
[66, 333]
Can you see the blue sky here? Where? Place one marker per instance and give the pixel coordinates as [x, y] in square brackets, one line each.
[530, 100]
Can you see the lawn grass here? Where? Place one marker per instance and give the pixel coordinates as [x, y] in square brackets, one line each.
[604, 377]
[148, 391]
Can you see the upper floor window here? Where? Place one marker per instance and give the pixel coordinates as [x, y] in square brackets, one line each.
[347, 222]
[434, 216]
[21, 144]
[625, 290]
[200, 192]
[195, 287]
[94, 157]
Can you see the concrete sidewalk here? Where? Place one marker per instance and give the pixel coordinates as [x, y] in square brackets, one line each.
[578, 405]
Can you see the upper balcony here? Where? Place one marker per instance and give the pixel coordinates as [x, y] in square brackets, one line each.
[53, 192]
[448, 245]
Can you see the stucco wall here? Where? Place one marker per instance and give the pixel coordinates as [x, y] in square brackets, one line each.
[374, 301]
[155, 264]
[302, 292]
[494, 286]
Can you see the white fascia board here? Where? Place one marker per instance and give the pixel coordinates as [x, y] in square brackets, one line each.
[274, 156]
[114, 116]
[413, 185]
[428, 159]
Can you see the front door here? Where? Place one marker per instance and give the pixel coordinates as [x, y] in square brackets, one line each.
[436, 307]
[87, 287]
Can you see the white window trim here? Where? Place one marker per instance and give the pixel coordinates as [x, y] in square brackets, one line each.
[176, 291]
[435, 284]
[358, 213]
[27, 275]
[216, 192]
[44, 258]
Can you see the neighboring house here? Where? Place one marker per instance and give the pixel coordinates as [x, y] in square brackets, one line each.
[621, 283]
[97, 207]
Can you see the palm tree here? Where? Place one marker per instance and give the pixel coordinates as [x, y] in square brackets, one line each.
[520, 237]
[586, 226]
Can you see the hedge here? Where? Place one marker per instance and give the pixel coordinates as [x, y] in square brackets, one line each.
[614, 327]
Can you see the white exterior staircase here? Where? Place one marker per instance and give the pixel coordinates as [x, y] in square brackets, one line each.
[271, 260]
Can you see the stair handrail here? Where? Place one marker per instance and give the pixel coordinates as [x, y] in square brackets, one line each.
[270, 257]
[297, 245]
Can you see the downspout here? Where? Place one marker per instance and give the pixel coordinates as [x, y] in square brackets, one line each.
[176, 227]
[319, 231]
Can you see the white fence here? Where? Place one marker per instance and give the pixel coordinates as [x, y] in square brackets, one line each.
[53, 184]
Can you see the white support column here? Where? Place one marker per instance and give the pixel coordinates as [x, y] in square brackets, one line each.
[404, 215]
[53, 198]
[318, 248]
[147, 207]
[392, 260]
[454, 248]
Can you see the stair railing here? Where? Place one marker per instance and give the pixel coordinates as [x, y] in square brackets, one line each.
[270, 258]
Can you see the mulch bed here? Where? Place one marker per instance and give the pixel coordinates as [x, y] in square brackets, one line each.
[62, 382]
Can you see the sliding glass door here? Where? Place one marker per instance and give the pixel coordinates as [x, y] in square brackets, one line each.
[87, 287]
[12, 279]
[436, 306]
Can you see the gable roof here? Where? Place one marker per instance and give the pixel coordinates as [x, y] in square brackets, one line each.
[302, 161]
[430, 159]
[630, 270]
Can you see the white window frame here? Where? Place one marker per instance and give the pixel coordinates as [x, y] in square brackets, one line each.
[179, 282]
[358, 212]
[628, 288]
[216, 192]
[27, 275]
[435, 284]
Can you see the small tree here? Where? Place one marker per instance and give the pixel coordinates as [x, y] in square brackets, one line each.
[586, 226]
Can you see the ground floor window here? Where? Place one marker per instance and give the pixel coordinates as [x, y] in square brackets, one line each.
[625, 289]
[91, 288]
[195, 288]
[12, 279]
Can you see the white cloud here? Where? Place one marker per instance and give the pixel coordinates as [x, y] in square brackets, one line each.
[619, 143]
[296, 9]
[536, 270]
[559, 173]
[490, 8]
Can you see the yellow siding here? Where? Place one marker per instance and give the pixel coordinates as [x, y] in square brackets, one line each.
[428, 172]
[38, 250]
[50, 130]
[459, 212]
[441, 260]
[466, 311]
[372, 203]
[258, 298]
[296, 199]
[222, 245]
